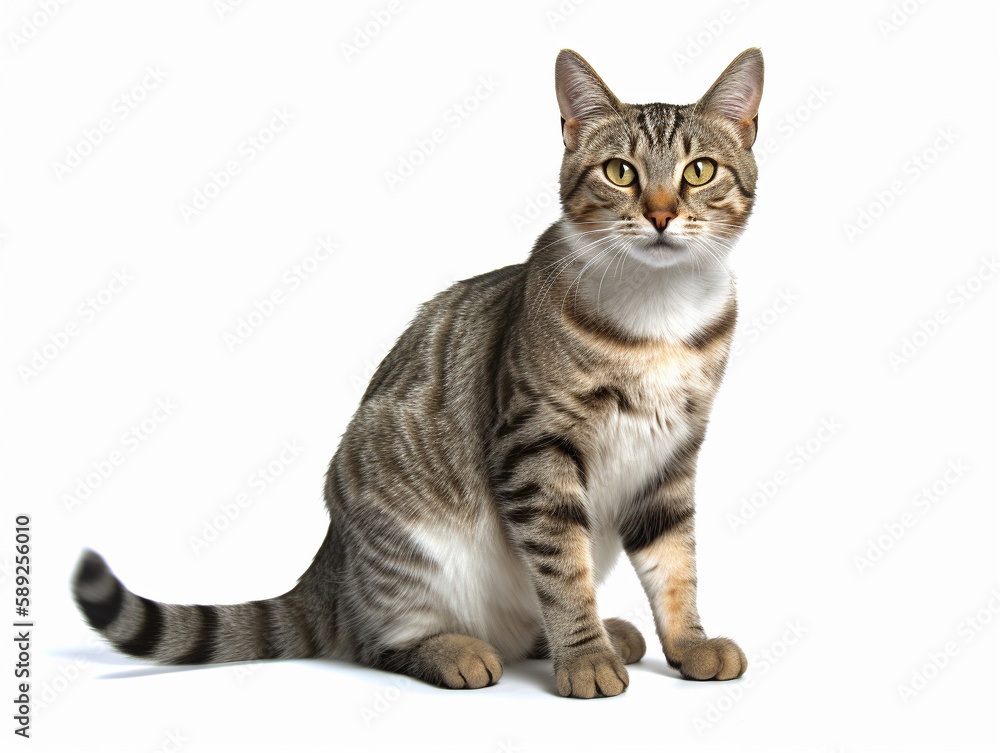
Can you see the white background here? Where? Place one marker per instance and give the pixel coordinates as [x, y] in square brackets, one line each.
[854, 92]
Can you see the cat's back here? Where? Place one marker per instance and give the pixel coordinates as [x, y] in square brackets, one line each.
[416, 427]
[452, 339]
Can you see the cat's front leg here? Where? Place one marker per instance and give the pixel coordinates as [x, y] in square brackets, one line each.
[658, 535]
[541, 497]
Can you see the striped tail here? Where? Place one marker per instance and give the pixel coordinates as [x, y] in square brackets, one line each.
[286, 627]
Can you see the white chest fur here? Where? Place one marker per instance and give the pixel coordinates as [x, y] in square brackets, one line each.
[630, 447]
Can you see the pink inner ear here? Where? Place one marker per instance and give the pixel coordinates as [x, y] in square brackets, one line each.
[581, 99]
[579, 89]
[736, 93]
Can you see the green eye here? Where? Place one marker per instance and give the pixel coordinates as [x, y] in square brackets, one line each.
[699, 172]
[619, 172]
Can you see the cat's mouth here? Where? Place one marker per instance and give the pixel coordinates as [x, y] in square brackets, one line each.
[661, 251]
[664, 241]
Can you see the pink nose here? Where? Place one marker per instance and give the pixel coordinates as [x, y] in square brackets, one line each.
[660, 218]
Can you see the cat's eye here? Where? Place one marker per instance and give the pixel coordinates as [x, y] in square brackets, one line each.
[620, 172]
[699, 171]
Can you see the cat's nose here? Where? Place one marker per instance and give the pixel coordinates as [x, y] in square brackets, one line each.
[659, 218]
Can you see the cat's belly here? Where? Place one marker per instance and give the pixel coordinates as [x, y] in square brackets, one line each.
[482, 588]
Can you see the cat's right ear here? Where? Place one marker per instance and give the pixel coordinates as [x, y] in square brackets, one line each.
[582, 95]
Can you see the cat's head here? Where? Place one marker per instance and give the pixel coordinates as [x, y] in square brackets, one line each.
[666, 184]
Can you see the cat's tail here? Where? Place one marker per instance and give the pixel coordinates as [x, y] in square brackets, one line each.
[290, 626]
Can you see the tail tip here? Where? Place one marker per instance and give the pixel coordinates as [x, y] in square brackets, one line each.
[96, 590]
[90, 569]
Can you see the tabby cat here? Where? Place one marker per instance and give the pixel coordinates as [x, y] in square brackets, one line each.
[529, 425]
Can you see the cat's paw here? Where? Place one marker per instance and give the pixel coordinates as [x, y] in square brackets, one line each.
[711, 659]
[458, 661]
[595, 675]
[626, 639]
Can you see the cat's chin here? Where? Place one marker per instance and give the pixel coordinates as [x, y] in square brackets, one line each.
[660, 253]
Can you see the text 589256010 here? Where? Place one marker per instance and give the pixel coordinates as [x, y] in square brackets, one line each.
[22, 628]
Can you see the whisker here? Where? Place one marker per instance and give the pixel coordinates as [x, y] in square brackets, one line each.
[621, 264]
[561, 265]
[600, 285]
[567, 237]
[575, 282]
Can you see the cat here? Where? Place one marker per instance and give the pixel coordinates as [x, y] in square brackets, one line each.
[527, 427]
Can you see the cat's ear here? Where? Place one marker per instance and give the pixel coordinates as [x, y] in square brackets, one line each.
[582, 95]
[735, 95]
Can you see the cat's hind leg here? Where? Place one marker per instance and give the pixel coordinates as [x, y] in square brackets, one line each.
[626, 638]
[450, 660]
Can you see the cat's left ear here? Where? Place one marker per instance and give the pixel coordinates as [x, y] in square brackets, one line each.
[735, 95]
[582, 95]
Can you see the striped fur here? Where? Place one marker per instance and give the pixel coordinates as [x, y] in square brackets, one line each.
[530, 425]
